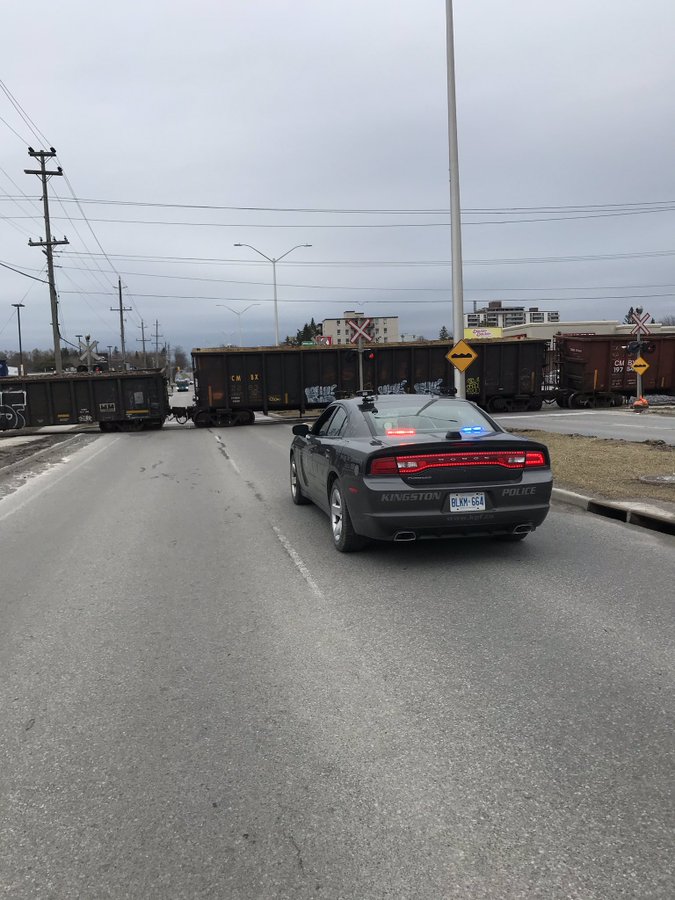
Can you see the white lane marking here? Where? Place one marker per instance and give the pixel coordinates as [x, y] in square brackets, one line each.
[545, 416]
[283, 540]
[55, 481]
[297, 561]
[227, 455]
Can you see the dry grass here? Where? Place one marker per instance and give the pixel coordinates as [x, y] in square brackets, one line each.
[608, 468]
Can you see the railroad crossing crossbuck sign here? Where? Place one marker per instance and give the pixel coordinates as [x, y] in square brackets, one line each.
[461, 355]
[640, 365]
[360, 327]
[640, 324]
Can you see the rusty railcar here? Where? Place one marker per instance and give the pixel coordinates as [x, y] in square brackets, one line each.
[231, 385]
[597, 370]
[117, 401]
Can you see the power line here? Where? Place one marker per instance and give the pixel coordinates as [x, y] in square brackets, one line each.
[339, 287]
[369, 225]
[505, 210]
[415, 300]
[25, 274]
[382, 264]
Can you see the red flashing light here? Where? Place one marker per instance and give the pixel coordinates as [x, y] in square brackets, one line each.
[400, 432]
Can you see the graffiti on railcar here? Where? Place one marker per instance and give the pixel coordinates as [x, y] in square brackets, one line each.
[320, 393]
[12, 409]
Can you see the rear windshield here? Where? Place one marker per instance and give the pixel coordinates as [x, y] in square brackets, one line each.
[436, 415]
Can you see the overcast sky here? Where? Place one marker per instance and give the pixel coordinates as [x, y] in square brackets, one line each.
[330, 118]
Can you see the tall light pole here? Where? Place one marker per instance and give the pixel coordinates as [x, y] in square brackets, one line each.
[455, 223]
[19, 307]
[238, 314]
[274, 262]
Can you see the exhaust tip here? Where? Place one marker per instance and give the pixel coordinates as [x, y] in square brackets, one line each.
[405, 536]
[522, 529]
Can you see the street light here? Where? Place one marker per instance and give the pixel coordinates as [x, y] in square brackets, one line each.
[274, 262]
[238, 314]
[19, 307]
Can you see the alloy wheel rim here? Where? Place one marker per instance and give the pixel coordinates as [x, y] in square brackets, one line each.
[294, 478]
[336, 514]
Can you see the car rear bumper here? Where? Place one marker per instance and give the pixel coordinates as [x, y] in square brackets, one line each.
[385, 514]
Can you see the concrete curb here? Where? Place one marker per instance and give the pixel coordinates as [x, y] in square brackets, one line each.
[632, 513]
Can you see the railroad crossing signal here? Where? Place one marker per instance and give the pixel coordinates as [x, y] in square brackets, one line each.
[461, 355]
[360, 327]
[640, 365]
[640, 326]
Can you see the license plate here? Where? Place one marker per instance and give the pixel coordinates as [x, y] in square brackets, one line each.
[462, 503]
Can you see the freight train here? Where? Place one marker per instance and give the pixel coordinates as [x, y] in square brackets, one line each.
[117, 401]
[231, 385]
[597, 370]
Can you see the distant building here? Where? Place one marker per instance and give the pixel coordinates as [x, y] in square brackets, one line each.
[384, 329]
[549, 331]
[494, 315]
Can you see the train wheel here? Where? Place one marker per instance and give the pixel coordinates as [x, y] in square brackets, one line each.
[224, 419]
[535, 404]
[496, 405]
[202, 419]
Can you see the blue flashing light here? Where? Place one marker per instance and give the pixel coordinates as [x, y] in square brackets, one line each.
[472, 429]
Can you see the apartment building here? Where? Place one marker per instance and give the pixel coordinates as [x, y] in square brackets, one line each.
[495, 315]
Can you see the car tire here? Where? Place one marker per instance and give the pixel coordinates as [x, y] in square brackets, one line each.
[345, 539]
[296, 491]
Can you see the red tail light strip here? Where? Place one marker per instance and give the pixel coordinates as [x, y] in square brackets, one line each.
[507, 459]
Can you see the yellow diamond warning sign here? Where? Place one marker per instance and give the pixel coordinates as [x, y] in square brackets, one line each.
[640, 365]
[461, 355]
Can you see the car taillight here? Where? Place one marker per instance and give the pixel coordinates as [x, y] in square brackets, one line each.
[384, 465]
[535, 458]
[507, 459]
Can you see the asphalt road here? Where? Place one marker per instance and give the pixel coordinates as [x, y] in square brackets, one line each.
[201, 698]
[622, 424]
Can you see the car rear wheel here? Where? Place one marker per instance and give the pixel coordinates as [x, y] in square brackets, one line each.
[346, 540]
[296, 491]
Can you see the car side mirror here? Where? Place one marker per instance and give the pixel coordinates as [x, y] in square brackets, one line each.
[302, 430]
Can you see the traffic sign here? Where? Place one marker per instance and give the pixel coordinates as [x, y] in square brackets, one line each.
[360, 328]
[640, 365]
[640, 326]
[461, 355]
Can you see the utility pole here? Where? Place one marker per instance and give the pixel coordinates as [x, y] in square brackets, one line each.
[122, 310]
[49, 244]
[110, 357]
[168, 362]
[19, 307]
[141, 340]
[157, 337]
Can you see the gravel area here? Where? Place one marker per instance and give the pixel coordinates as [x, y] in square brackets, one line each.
[605, 468]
